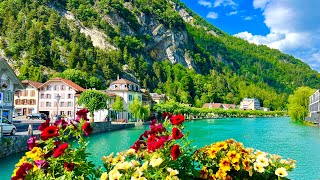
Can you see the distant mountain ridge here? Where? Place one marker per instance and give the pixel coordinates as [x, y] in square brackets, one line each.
[164, 44]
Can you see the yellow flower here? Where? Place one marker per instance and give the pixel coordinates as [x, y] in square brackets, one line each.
[246, 164]
[233, 156]
[107, 159]
[172, 178]
[114, 174]
[222, 145]
[220, 174]
[21, 161]
[117, 159]
[140, 178]
[35, 153]
[172, 172]
[125, 165]
[104, 176]
[262, 160]
[236, 166]
[137, 174]
[131, 152]
[282, 172]
[144, 166]
[257, 167]
[156, 162]
[225, 164]
[135, 163]
[212, 151]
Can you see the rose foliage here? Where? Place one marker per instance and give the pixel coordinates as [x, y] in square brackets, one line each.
[162, 152]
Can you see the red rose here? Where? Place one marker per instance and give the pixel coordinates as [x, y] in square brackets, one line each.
[49, 132]
[177, 120]
[68, 166]
[158, 128]
[176, 133]
[44, 125]
[175, 151]
[87, 128]
[32, 142]
[82, 114]
[60, 150]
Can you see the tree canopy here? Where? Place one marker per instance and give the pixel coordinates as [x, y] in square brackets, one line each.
[299, 103]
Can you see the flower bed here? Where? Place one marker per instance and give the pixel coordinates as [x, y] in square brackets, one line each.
[162, 152]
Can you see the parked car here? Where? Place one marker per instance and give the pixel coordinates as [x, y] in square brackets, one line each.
[8, 127]
[37, 116]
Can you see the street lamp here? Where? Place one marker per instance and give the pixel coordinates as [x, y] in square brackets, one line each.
[58, 99]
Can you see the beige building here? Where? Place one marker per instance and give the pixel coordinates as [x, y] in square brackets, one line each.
[68, 91]
[250, 104]
[9, 83]
[159, 98]
[126, 90]
[26, 101]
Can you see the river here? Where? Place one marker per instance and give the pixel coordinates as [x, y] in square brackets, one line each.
[273, 135]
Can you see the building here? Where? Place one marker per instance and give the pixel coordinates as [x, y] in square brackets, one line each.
[9, 83]
[146, 97]
[314, 108]
[126, 90]
[250, 104]
[159, 98]
[26, 101]
[219, 105]
[58, 96]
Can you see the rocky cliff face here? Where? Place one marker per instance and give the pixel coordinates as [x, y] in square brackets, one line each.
[165, 43]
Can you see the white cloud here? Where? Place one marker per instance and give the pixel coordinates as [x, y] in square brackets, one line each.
[218, 3]
[205, 3]
[294, 28]
[232, 13]
[247, 18]
[212, 15]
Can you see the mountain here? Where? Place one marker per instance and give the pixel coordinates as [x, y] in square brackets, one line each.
[161, 44]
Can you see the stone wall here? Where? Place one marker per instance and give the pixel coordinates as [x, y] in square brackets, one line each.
[13, 144]
[99, 127]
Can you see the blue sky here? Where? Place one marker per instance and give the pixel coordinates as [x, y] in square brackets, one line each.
[292, 26]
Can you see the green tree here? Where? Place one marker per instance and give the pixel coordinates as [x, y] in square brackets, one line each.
[135, 107]
[93, 100]
[118, 105]
[298, 103]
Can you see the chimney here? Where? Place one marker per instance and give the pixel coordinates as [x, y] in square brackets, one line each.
[118, 77]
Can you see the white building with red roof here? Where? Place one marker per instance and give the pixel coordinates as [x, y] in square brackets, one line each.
[52, 105]
[126, 90]
[26, 101]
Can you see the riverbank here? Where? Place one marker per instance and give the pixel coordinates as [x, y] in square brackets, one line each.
[18, 143]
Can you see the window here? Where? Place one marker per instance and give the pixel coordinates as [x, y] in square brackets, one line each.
[24, 102]
[61, 112]
[48, 104]
[48, 88]
[70, 88]
[69, 113]
[130, 98]
[32, 101]
[62, 104]
[42, 104]
[69, 104]
[69, 96]
[17, 101]
[56, 87]
[62, 87]
[32, 93]
[6, 96]
[113, 87]
[48, 96]
[42, 96]
[25, 93]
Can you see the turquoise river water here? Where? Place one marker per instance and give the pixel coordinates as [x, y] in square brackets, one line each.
[273, 135]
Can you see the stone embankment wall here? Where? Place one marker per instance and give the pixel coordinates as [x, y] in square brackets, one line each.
[18, 143]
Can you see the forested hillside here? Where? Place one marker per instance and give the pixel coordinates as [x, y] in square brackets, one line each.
[167, 47]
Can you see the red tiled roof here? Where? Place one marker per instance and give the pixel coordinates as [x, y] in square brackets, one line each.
[32, 83]
[123, 81]
[67, 82]
[213, 105]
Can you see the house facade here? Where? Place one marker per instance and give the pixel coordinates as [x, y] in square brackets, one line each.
[159, 98]
[219, 105]
[250, 104]
[58, 96]
[314, 107]
[9, 83]
[26, 101]
[126, 90]
[146, 97]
